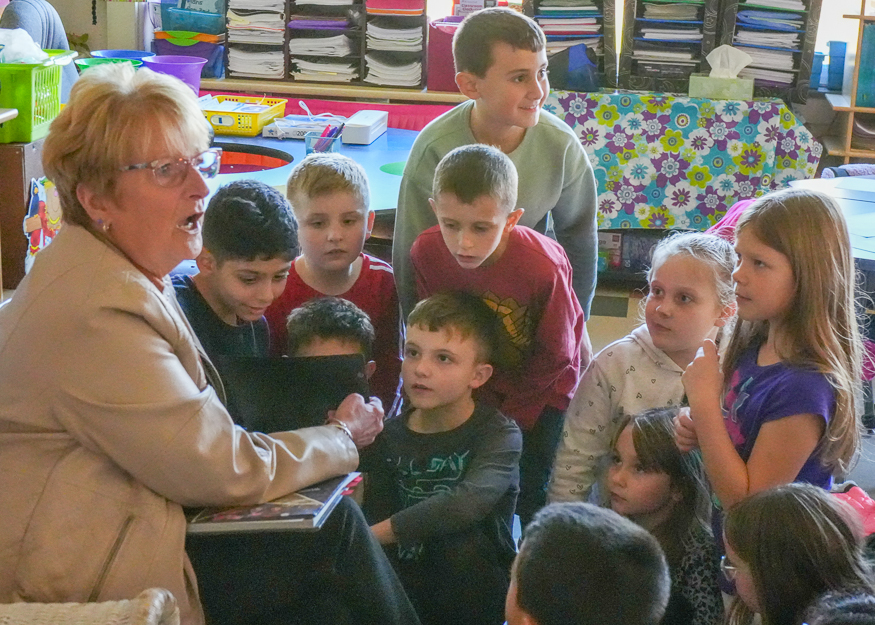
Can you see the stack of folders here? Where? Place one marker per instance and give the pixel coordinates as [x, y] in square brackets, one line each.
[793, 5]
[256, 21]
[568, 23]
[771, 38]
[661, 31]
[682, 11]
[392, 69]
[665, 60]
[395, 7]
[324, 71]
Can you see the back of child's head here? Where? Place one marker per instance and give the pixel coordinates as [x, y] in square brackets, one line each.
[842, 608]
[249, 220]
[330, 318]
[820, 325]
[654, 441]
[798, 542]
[714, 252]
[590, 566]
[477, 170]
[326, 173]
[462, 314]
[473, 41]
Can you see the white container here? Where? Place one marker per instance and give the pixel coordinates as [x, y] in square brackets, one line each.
[365, 126]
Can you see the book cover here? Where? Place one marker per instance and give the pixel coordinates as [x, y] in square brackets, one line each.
[304, 510]
[280, 394]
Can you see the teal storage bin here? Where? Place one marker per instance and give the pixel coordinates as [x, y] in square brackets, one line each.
[173, 18]
[866, 77]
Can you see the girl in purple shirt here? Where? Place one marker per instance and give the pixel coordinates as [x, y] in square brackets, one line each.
[783, 407]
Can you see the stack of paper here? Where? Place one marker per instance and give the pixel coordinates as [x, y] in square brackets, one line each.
[324, 72]
[652, 31]
[339, 45]
[265, 27]
[770, 59]
[393, 39]
[261, 64]
[680, 11]
[767, 38]
[327, 22]
[388, 69]
[655, 52]
[325, 2]
[771, 19]
[554, 46]
[766, 75]
[274, 6]
[568, 25]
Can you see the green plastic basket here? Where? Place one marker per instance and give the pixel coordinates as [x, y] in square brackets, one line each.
[35, 90]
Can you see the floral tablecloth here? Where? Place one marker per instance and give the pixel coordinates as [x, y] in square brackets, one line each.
[665, 161]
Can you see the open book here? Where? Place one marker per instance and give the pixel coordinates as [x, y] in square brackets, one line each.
[304, 510]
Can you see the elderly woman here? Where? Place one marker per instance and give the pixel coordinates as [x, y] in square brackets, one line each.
[110, 421]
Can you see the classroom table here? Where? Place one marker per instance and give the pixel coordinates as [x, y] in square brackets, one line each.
[383, 161]
[856, 197]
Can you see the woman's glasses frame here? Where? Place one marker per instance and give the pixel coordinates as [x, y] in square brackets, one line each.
[171, 172]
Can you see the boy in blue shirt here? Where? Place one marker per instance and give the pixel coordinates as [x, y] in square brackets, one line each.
[525, 278]
[250, 240]
[501, 64]
[445, 471]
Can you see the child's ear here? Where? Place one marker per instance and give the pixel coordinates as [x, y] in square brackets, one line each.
[371, 216]
[206, 262]
[726, 314]
[482, 373]
[433, 205]
[512, 219]
[468, 84]
[370, 367]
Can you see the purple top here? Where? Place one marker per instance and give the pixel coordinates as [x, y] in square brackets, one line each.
[758, 395]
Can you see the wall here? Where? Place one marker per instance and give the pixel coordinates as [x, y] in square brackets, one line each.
[76, 15]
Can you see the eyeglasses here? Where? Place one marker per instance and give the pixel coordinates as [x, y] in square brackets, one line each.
[728, 569]
[170, 172]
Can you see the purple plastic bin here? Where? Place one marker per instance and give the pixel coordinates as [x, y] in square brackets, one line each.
[186, 68]
[210, 51]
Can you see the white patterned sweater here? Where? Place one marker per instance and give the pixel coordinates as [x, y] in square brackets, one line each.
[626, 377]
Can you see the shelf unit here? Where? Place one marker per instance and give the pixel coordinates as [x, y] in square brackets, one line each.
[643, 74]
[232, 44]
[400, 22]
[797, 91]
[602, 11]
[845, 108]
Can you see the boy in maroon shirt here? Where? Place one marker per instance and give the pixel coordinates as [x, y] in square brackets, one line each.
[525, 278]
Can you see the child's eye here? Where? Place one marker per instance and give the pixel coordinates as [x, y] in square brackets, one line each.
[655, 291]
[281, 277]
[248, 281]
[685, 299]
[542, 73]
[451, 226]
[615, 458]
[409, 352]
[316, 224]
[444, 358]
[640, 468]
[481, 229]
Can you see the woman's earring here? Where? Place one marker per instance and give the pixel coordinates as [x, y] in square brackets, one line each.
[105, 225]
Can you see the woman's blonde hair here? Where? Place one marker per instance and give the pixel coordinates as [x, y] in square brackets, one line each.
[821, 322]
[113, 115]
[798, 542]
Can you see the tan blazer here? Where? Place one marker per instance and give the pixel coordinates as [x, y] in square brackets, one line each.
[108, 427]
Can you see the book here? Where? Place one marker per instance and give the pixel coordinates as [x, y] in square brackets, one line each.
[280, 394]
[304, 510]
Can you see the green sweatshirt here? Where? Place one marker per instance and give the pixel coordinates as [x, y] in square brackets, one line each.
[555, 176]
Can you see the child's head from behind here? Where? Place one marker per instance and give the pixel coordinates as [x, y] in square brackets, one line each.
[788, 545]
[501, 63]
[475, 192]
[655, 484]
[330, 197]
[795, 283]
[451, 340]
[691, 292]
[842, 608]
[329, 326]
[250, 239]
[587, 565]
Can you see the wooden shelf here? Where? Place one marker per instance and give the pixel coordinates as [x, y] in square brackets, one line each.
[842, 102]
[349, 92]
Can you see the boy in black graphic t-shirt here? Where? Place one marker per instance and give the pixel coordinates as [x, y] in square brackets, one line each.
[446, 471]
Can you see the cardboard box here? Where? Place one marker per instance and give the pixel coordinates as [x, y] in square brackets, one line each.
[702, 86]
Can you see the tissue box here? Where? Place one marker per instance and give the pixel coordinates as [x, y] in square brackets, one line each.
[365, 126]
[702, 86]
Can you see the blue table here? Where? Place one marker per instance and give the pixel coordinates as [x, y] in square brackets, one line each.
[391, 147]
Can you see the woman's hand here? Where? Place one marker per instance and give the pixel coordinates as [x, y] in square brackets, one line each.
[364, 420]
[703, 382]
[685, 431]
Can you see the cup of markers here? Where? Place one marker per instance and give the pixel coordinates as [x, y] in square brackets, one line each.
[326, 141]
